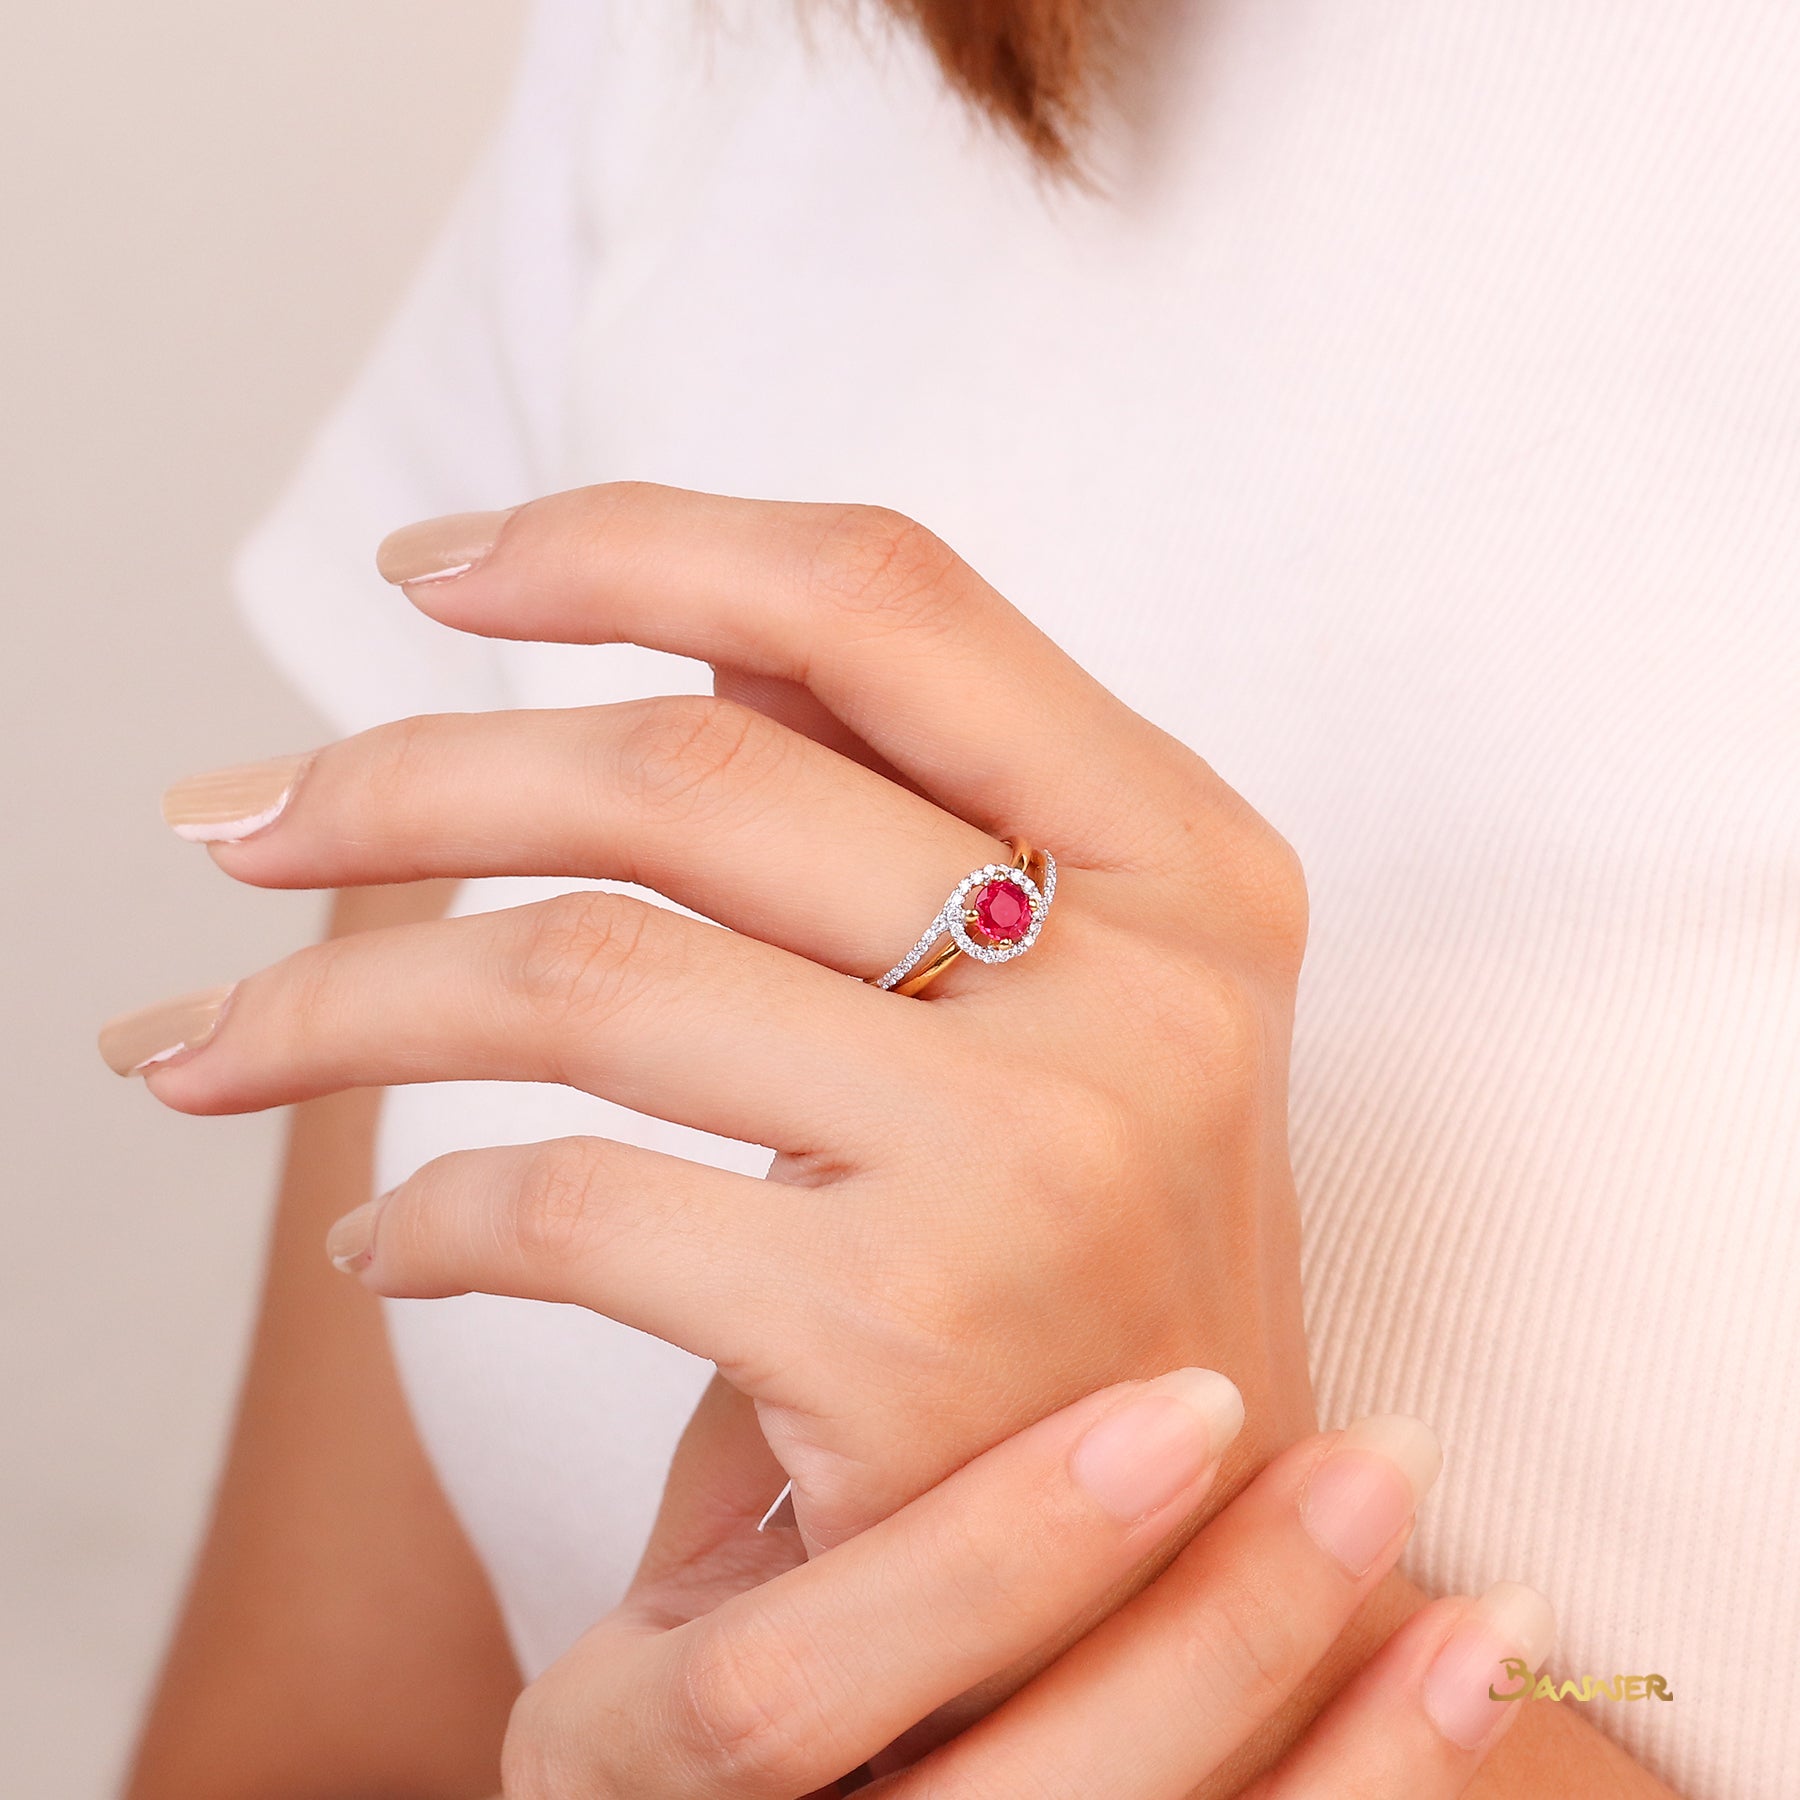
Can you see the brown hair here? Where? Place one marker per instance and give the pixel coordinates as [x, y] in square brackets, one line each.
[1033, 65]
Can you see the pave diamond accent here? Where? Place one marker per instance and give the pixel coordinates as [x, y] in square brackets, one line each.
[950, 919]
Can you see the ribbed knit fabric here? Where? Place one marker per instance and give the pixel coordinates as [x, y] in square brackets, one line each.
[1414, 428]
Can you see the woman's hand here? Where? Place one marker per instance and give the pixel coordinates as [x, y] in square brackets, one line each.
[730, 1672]
[1041, 1178]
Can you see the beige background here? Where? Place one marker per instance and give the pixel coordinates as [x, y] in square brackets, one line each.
[206, 206]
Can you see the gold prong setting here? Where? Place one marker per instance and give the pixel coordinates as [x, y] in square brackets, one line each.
[958, 916]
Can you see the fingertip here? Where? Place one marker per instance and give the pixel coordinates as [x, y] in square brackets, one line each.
[165, 1035]
[1408, 1443]
[1522, 1616]
[1163, 1441]
[228, 806]
[421, 555]
[350, 1243]
[1215, 1397]
[1487, 1662]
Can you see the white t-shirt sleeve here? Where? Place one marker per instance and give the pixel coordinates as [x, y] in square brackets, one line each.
[459, 407]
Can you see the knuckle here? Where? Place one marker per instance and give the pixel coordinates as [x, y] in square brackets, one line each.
[589, 518]
[1255, 881]
[1221, 1030]
[742, 1708]
[398, 759]
[541, 1757]
[1273, 885]
[311, 996]
[1003, 1768]
[1244, 1656]
[871, 559]
[681, 753]
[550, 1211]
[576, 954]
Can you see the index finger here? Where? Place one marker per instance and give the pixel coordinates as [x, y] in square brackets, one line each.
[1181, 1677]
[898, 638]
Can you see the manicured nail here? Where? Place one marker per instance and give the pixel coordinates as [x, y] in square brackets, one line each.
[1508, 1623]
[138, 1041]
[1158, 1443]
[439, 549]
[1368, 1486]
[229, 805]
[350, 1243]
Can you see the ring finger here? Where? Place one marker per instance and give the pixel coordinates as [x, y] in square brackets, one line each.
[708, 802]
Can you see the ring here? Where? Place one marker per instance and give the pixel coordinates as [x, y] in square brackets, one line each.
[993, 914]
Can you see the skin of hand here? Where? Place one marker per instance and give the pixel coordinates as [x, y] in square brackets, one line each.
[1063, 1173]
[1038, 1179]
[738, 1670]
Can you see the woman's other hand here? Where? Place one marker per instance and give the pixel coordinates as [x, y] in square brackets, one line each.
[734, 1669]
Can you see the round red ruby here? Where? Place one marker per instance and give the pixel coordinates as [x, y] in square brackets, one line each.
[1002, 912]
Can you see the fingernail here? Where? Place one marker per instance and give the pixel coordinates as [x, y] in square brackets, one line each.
[1158, 1443]
[226, 806]
[137, 1041]
[439, 549]
[1368, 1486]
[350, 1243]
[1508, 1623]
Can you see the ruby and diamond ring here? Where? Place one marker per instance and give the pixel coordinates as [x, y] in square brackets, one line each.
[993, 914]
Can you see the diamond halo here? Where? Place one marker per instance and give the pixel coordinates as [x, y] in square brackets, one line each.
[951, 919]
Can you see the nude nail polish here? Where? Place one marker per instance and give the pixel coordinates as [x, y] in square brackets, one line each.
[225, 806]
[1508, 1623]
[136, 1042]
[439, 549]
[1158, 1442]
[1369, 1484]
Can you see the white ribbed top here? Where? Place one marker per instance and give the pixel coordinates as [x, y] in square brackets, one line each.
[1415, 431]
